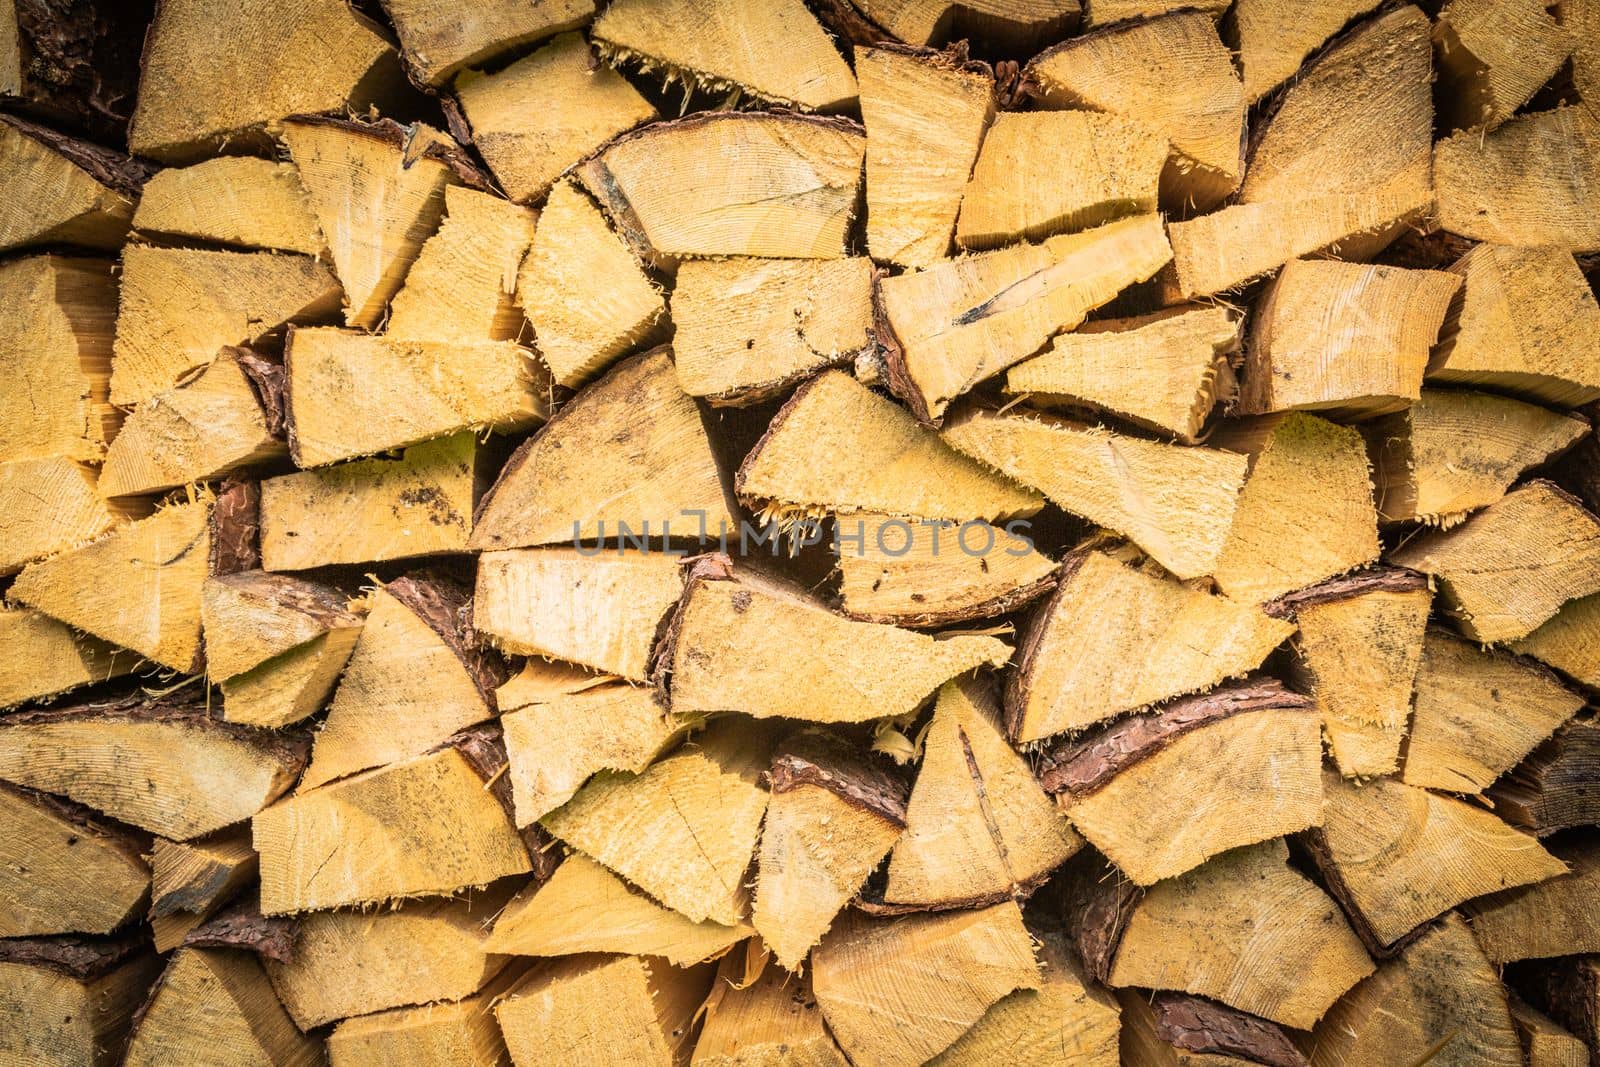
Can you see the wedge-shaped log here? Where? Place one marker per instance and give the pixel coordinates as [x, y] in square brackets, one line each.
[231, 200]
[71, 1001]
[771, 1019]
[1166, 1029]
[433, 1035]
[1544, 1042]
[1569, 641]
[1569, 989]
[1175, 502]
[964, 320]
[889, 988]
[1493, 56]
[1583, 18]
[79, 193]
[1274, 41]
[731, 183]
[164, 767]
[190, 881]
[46, 657]
[65, 870]
[436, 42]
[51, 505]
[1549, 791]
[1012, 26]
[217, 1005]
[931, 108]
[1558, 917]
[1511, 566]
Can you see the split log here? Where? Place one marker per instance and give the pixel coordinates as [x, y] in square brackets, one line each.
[1559, 917]
[1250, 749]
[1396, 856]
[436, 41]
[215, 1006]
[1552, 789]
[1175, 502]
[1105, 12]
[1545, 1044]
[1493, 56]
[1114, 638]
[73, 65]
[932, 108]
[880, 459]
[889, 987]
[1274, 41]
[773, 52]
[1162, 372]
[1511, 566]
[181, 305]
[1173, 1030]
[1171, 73]
[70, 1001]
[772, 1019]
[1569, 641]
[79, 193]
[457, 1033]
[1453, 452]
[537, 118]
[732, 184]
[1373, 365]
[745, 330]
[1305, 512]
[978, 828]
[164, 767]
[231, 200]
[587, 298]
[63, 869]
[1011, 26]
[1578, 471]
[629, 454]
[964, 320]
[52, 505]
[1569, 989]
[192, 880]
[1583, 19]
[46, 657]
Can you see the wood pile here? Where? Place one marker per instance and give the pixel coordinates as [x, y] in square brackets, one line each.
[823, 532]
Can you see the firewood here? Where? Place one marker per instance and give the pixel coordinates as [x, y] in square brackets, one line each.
[73, 66]
[1558, 917]
[456, 1033]
[646, 1012]
[1251, 749]
[1105, 12]
[1583, 19]
[910, 100]
[79, 193]
[773, 52]
[832, 816]
[51, 505]
[1453, 452]
[65, 870]
[1493, 56]
[1396, 856]
[685, 829]
[742, 643]
[1306, 511]
[1526, 323]
[964, 320]
[1550, 791]
[889, 988]
[70, 1001]
[436, 41]
[1568, 989]
[583, 292]
[978, 827]
[1175, 502]
[422, 826]
[1171, 73]
[1114, 638]
[1373, 366]
[192, 880]
[1274, 41]
[747, 329]
[1511, 566]
[1161, 372]
[629, 451]
[416, 676]
[1530, 182]
[164, 767]
[1569, 641]
[585, 908]
[879, 460]
[46, 657]
[772, 1019]
[1168, 1029]
[1544, 1044]
[217, 1006]
[180, 305]
[57, 358]
[732, 184]
[230, 200]
[1013, 27]
[535, 119]
[1439, 1002]
[1357, 654]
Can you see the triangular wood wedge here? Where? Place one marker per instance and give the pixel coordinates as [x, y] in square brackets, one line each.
[629, 451]
[774, 52]
[453, 1032]
[909, 98]
[1042, 173]
[1526, 323]
[1273, 41]
[1175, 502]
[1013, 27]
[181, 305]
[191, 880]
[583, 292]
[978, 827]
[51, 505]
[79, 193]
[685, 830]
[772, 1019]
[1305, 513]
[68, 1000]
[746, 643]
[65, 870]
[164, 767]
[1558, 917]
[1253, 749]
[435, 43]
[838, 446]
[889, 988]
[218, 1005]
[416, 676]
[964, 320]
[833, 815]
[1569, 641]
[1172, 73]
[585, 908]
[46, 657]
[1568, 988]
[533, 120]
[1511, 566]
[1544, 1041]
[732, 183]
[1493, 56]
[1550, 790]
[231, 200]
[1166, 1029]
[1161, 371]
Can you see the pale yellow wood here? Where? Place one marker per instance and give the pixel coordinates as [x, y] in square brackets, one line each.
[251, 616]
[965, 320]
[1274, 40]
[46, 656]
[66, 204]
[1543, 1042]
[771, 1021]
[190, 881]
[925, 116]
[1175, 502]
[53, 1018]
[61, 872]
[1019, 24]
[438, 37]
[291, 686]
[1582, 17]
[1105, 12]
[1558, 917]
[540, 680]
[1569, 641]
[231, 200]
[456, 1033]
[1494, 55]
[217, 1005]
[50, 505]
[774, 52]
